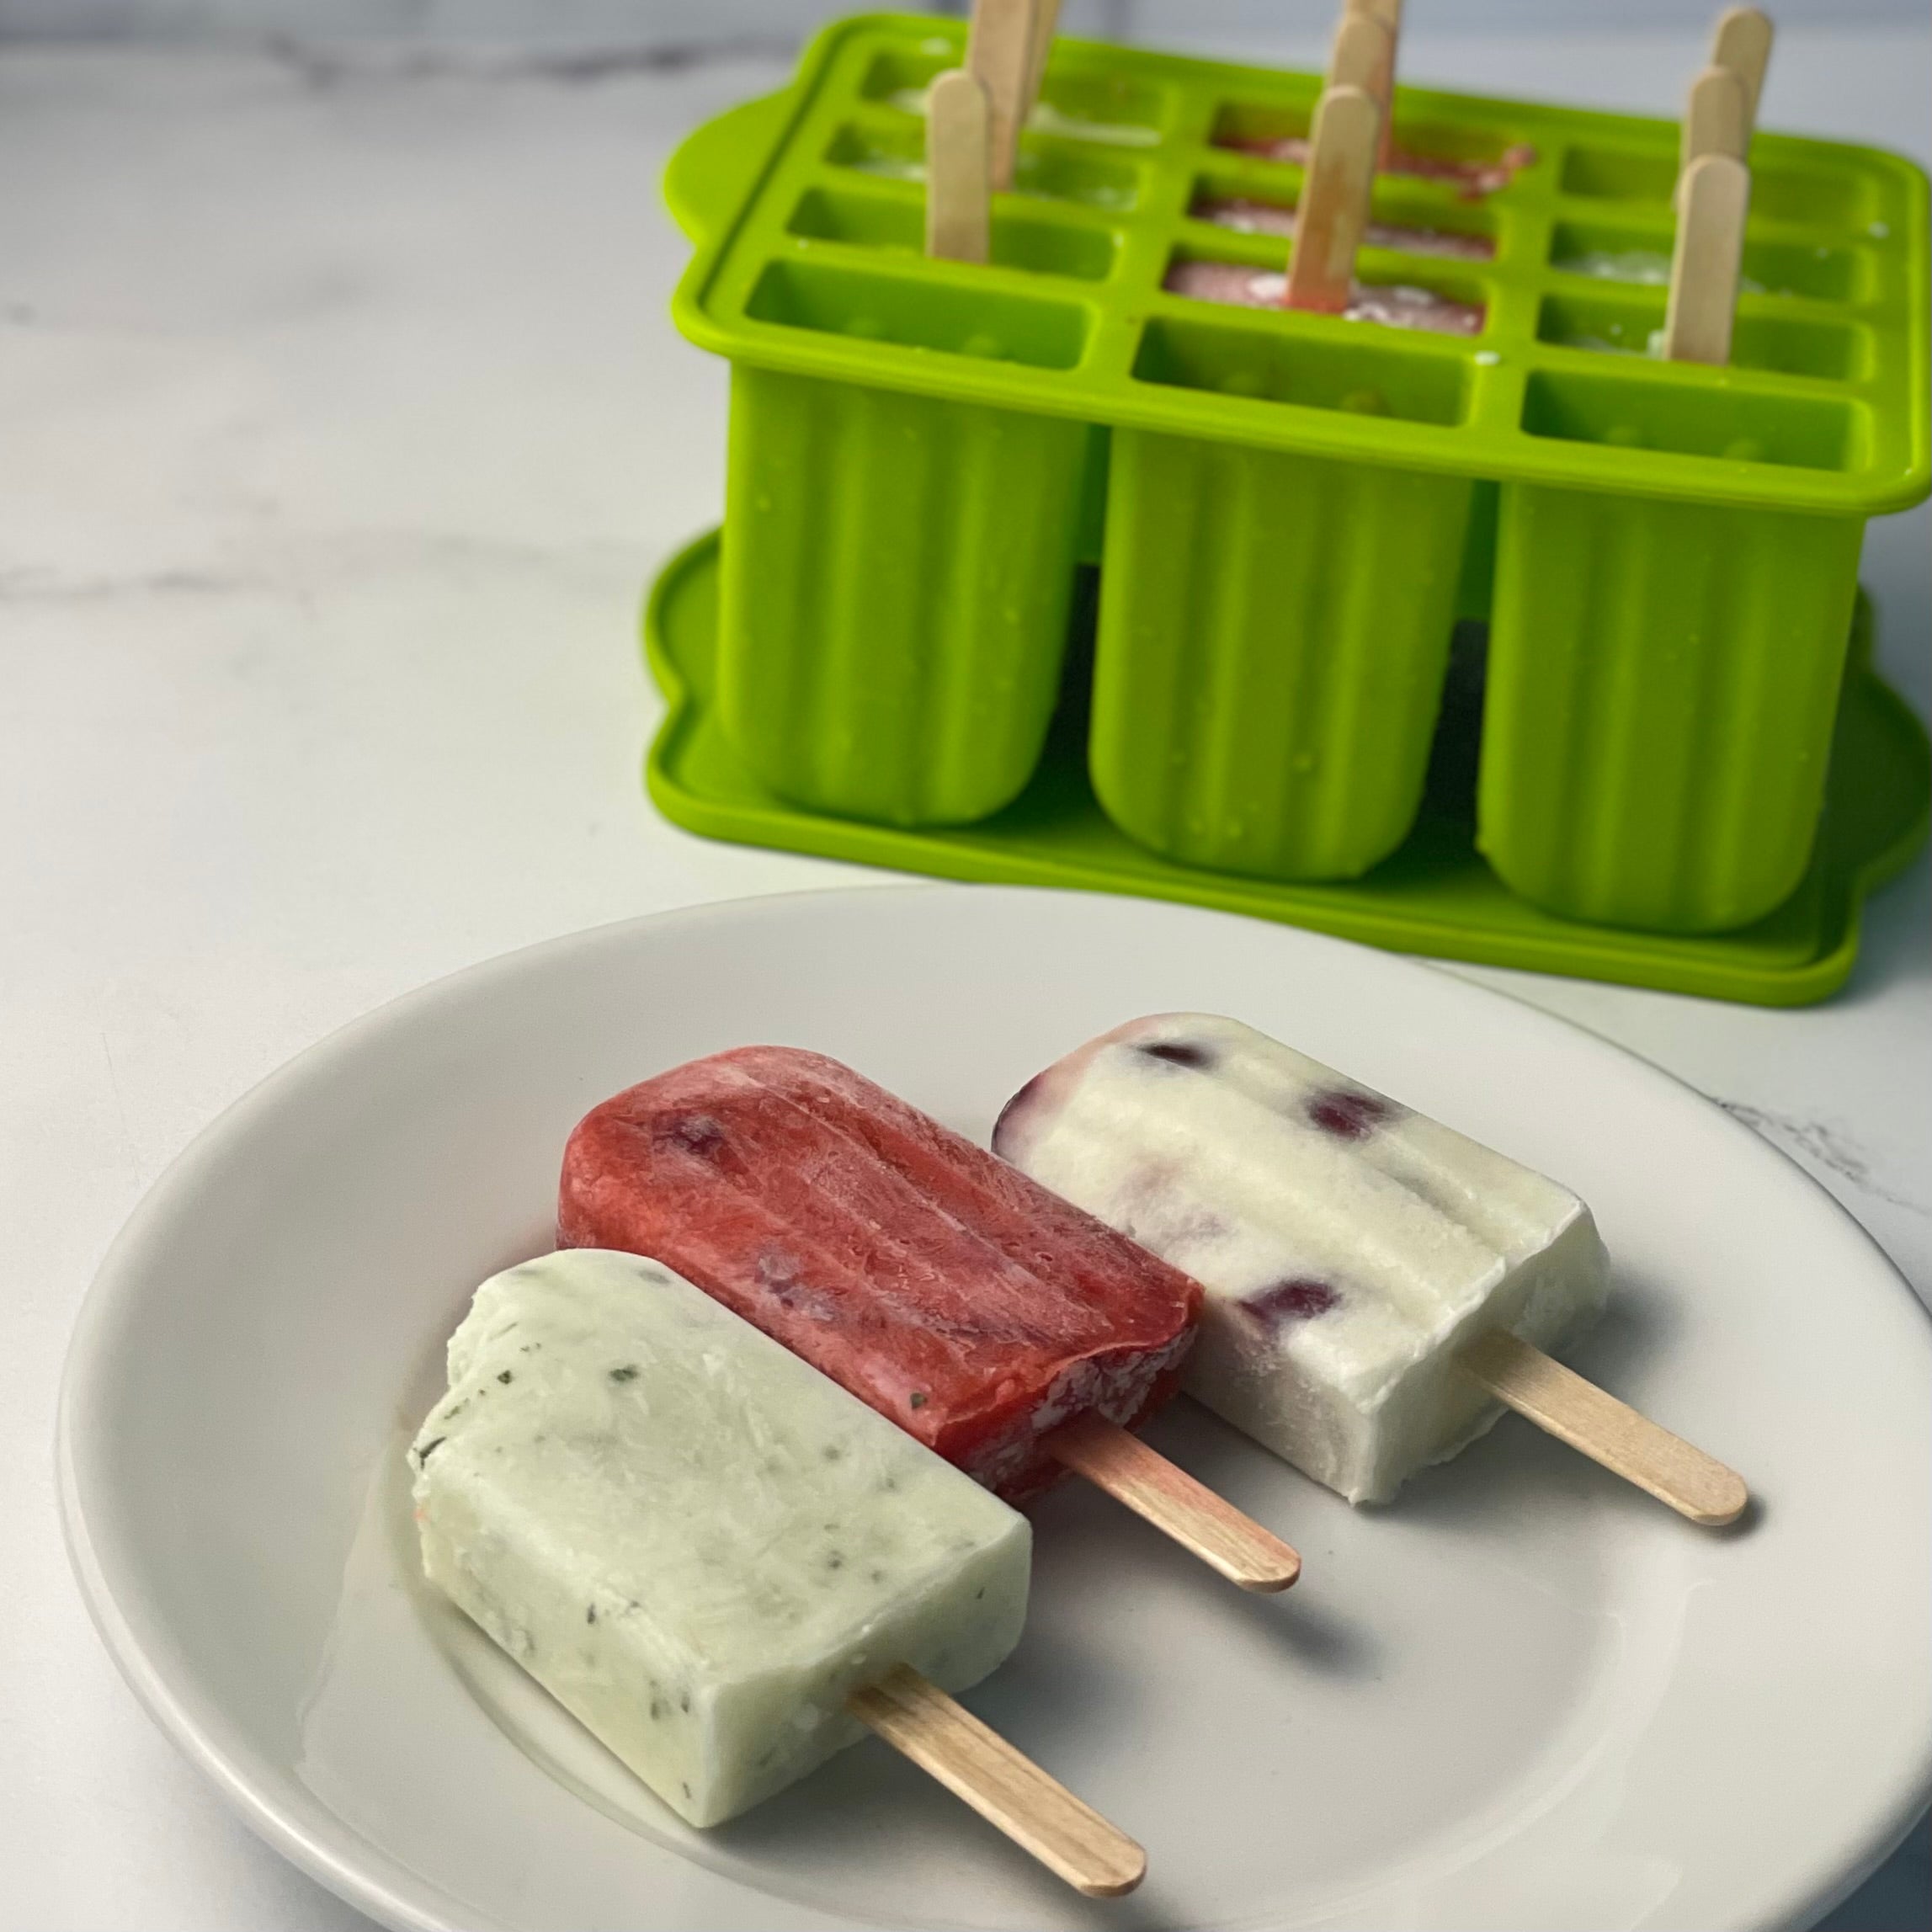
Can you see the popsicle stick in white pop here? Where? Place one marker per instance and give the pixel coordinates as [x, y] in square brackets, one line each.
[958, 182]
[1608, 1431]
[1005, 1787]
[999, 51]
[1717, 117]
[1742, 43]
[1713, 198]
[1045, 22]
[1333, 209]
[1381, 86]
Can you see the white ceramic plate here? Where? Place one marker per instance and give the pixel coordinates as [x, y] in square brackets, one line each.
[1524, 1697]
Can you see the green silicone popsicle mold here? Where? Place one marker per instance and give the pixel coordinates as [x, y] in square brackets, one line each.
[1434, 895]
[1290, 512]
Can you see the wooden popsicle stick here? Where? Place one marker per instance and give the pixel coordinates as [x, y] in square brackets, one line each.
[1609, 1432]
[1002, 1785]
[1360, 58]
[958, 154]
[1742, 43]
[1045, 22]
[1717, 117]
[999, 51]
[1206, 1526]
[1713, 198]
[1387, 15]
[1334, 205]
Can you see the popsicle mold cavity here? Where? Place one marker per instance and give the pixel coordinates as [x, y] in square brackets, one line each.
[1245, 216]
[1247, 131]
[1391, 305]
[696, 1543]
[972, 1307]
[1349, 1246]
[1316, 771]
[840, 682]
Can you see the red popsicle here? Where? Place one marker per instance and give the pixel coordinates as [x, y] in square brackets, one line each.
[1005, 1328]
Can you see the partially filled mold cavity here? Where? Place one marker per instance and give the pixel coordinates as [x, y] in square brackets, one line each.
[1473, 162]
[1436, 307]
[1401, 221]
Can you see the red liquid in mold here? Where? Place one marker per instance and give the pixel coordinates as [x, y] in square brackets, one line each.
[1392, 305]
[1249, 217]
[1474, 179]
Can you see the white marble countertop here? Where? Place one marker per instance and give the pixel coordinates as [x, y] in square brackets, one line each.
[343, 425]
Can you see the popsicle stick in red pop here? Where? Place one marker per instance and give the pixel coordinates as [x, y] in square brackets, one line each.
[1369, 61]
[1008, 1330]
[1333, 209]
[1360, 58]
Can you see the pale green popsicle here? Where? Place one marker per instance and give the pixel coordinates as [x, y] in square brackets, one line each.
[696, 1542]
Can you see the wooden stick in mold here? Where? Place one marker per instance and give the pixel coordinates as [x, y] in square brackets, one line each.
[1361, 57]
[1717, 117]
[1002, 1785]
[958, 163]
[1742, 43]
[1045, 20]
[1206, 1526]
[999, 51]
[1381, 87]
[1713, 197]
[1609, 1432]
[1334, 205]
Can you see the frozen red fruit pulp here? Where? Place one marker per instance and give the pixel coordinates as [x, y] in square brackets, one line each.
[936, 1283]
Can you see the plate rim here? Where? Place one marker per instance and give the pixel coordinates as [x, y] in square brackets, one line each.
[335, 1852]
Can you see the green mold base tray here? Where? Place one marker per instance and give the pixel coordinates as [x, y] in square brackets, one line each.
[1434, 895]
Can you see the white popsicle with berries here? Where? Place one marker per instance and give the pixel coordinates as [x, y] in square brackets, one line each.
[1378, 1284]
